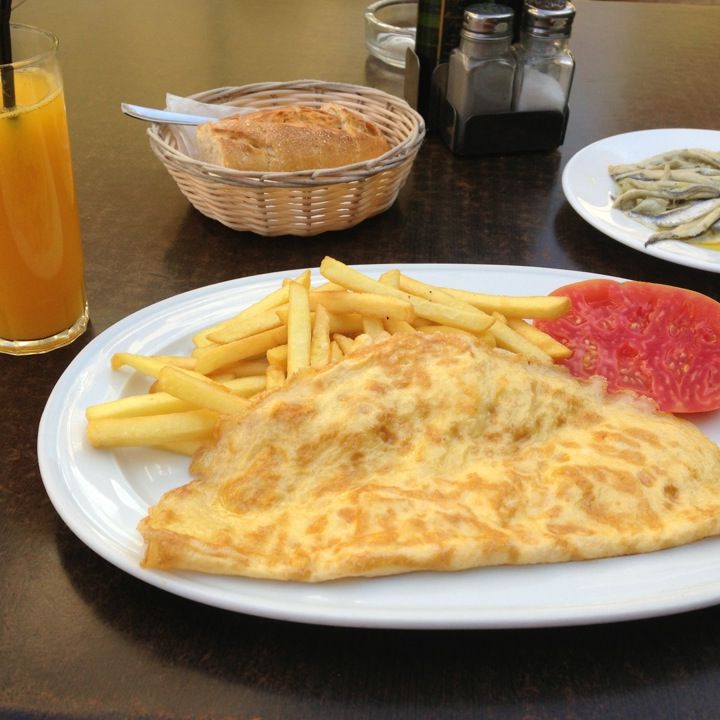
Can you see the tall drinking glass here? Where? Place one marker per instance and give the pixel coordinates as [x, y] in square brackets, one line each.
[42, 293]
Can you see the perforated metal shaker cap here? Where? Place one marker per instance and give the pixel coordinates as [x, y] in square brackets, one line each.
[549, 19]
[488, 20]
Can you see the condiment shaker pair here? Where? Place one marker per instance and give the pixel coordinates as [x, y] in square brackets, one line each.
[487, 74]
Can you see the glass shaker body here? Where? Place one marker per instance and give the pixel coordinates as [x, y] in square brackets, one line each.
[545, 64]
[545, 68]
[480, 76]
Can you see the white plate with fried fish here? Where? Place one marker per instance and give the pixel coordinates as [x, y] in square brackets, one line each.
[589, 189]
[102, 496]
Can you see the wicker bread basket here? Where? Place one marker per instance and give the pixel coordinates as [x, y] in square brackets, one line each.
[307, 202]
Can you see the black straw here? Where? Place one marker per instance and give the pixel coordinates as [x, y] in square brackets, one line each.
[6, 72]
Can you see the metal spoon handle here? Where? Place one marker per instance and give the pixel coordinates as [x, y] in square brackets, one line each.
[162, 116]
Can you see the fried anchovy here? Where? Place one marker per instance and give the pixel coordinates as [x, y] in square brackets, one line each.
[692, 192]
[689, 175]
[651, 206]
[687, 230]
[679, 215]
[674, 159]
[647, 185]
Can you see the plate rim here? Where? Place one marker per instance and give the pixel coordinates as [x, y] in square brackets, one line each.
[401, 617]
[627, 237]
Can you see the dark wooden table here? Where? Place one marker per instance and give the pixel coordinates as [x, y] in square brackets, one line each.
[80, 638]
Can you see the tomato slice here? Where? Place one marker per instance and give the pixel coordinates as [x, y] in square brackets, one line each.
[656, 340]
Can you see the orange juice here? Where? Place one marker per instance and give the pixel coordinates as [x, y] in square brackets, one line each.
[41, 265]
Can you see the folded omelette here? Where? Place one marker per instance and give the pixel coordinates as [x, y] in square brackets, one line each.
[432, 452]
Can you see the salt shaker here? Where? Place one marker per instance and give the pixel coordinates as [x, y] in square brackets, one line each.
[545, 65]
[481, 70]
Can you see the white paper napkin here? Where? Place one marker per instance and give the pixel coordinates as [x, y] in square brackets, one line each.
[185, 134]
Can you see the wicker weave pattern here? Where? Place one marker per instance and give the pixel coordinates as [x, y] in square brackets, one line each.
[301, 203]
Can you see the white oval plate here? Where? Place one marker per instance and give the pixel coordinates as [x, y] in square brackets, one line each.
[102, 496]
[588, 186]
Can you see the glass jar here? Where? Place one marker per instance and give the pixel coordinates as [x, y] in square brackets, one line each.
[545, 65]
[482, 68]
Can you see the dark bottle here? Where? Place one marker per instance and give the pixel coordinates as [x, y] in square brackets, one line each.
[437, 33]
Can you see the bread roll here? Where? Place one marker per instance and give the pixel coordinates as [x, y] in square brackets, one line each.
[292, 138]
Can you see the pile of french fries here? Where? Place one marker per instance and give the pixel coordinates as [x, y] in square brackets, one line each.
[298, 326]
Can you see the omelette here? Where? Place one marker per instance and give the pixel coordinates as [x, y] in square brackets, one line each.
[433, 452]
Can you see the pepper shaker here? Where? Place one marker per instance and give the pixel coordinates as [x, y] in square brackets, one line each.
[481, 70]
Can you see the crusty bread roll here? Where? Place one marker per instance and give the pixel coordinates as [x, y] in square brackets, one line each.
[291, 138]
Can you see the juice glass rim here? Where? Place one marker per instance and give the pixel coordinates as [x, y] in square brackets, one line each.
[38, 57]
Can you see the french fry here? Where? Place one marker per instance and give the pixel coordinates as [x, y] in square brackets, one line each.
[509, 339]
[149, 364]
[343, 342]
[244, 368]
[273, 300]
[151, 430]
[454, 316]
[278, 356]
[443, 329]
[428, 292]
[182, 361]
[362, 340]
[157, 403]
[363, 303]
[545, 307]
[200, 340]
[221, 377]
[505, 337]
[398, 326]
[336, 354]
[320, 340]
[373, 327]
[556, 350]
[298, 329]
[200, 391]
[346, 323]
[391, 278]
[246, 386]
[432, 293]
[328, 287]
[245, 327]
[475, 321]
[274, 377]
[221, 356]
[302, 279]
[486, 338]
